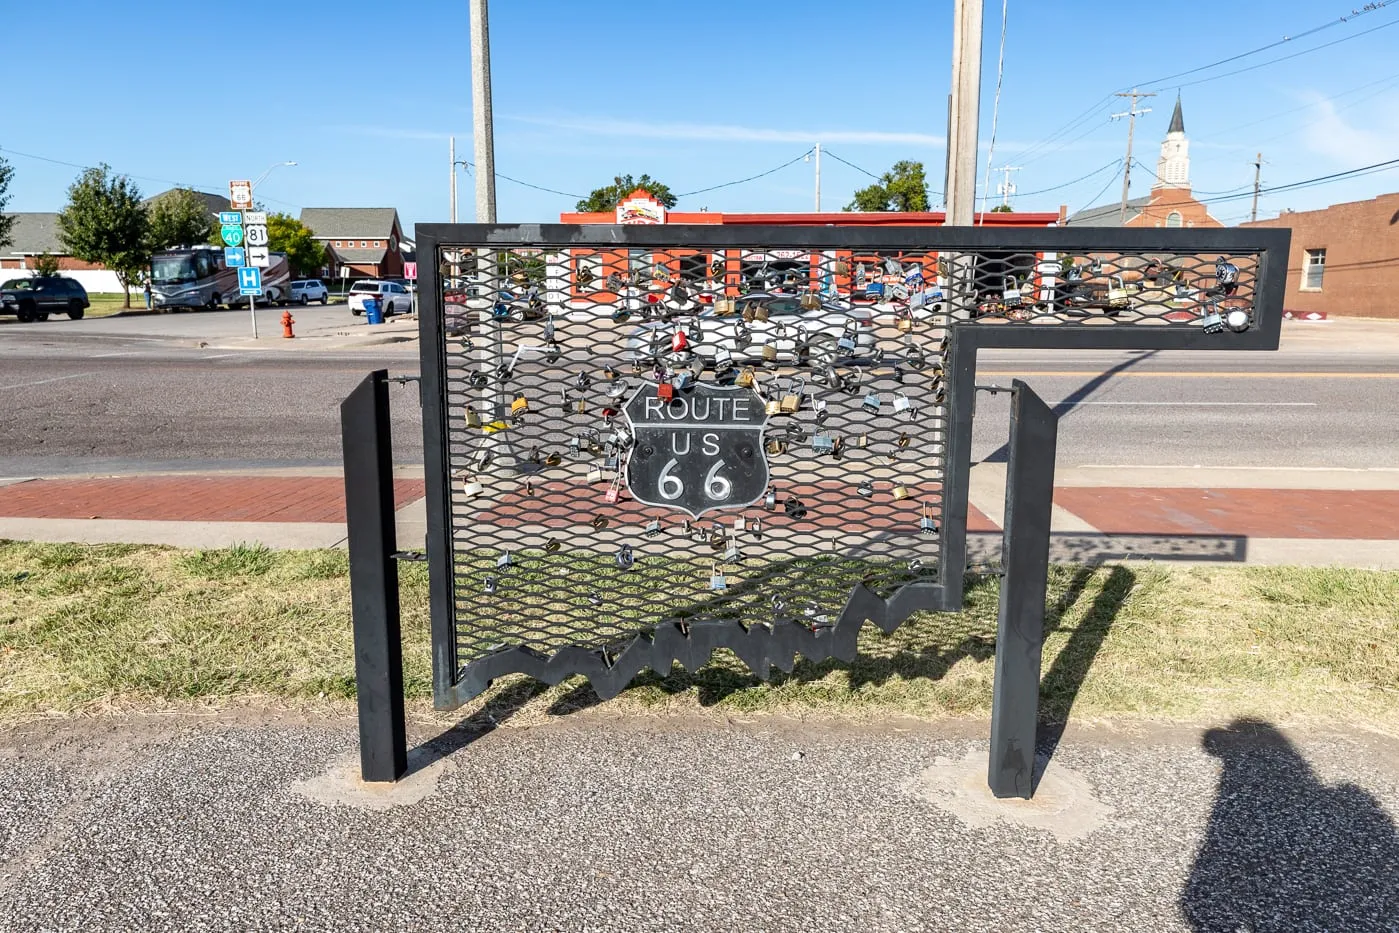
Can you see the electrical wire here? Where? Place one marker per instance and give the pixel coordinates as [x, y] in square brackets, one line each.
[730, 184]
[852, 165]
[995, 114]
[1311, 182]
[1141, 165]
[1104, 168]
[1101, 191]
[567, 194]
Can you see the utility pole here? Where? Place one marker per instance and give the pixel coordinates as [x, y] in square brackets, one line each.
[1131, 114]
[965, 107]
[452, 187]
[1257, 176]
[482, 126]
[1006, 189]
[818, 178]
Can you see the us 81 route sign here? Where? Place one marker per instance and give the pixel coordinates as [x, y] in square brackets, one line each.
[699, 451]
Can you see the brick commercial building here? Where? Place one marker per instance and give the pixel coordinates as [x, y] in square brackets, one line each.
[1344, 258]
[360, 242]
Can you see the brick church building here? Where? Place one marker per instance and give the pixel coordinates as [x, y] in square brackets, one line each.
[1170, 203]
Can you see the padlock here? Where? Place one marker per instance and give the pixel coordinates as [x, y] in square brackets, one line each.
[769, 353]
[472, 487]
[722, 356]
[745, 378]
[901, 402]
[821, 415]
[809, 302]
[822, 443]
[581, 406]
[846, 343]
[503, 560]
[903, 441]
[552, 352]
[625, 557]
[595, 473]
[862, 441]
[582, 380]
[865, 488]
[612, 460]
[755, 527]
[618, 389]
[473, 420]
[477, 379]
[1010, 294]
[551, 546]
[599, 522]
[905, 324]
[898, 374]
[552, 458]
[685, 379]
[770, 498]
[772, 407]
[900, 491]
[519, 406]
[653, 528]
[609, 371]
[871, 403]
[717, 580]
[503, 372]
[529, 487]
[792, 400]
[1212, 323]
[731, 555]
[794, 508]
[489, 586]
[775, 446]
[620, 315]
[614, 490]
[740, 523]
[927, 524]
[665, 391]
[760, 313]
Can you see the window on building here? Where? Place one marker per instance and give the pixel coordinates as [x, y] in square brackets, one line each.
[1313, 268]
[363, 244]
[641, 264]
[587, 269]
[1173, 219]
[376, 244]
[337, 244]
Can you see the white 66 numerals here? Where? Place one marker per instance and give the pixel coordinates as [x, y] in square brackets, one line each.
[716, 487]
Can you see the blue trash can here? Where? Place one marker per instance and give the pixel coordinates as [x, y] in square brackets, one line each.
[372, 313]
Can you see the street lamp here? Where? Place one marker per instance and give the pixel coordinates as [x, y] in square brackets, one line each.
[270, 169]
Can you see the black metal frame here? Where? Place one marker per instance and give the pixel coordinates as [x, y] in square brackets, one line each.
[1030, 485]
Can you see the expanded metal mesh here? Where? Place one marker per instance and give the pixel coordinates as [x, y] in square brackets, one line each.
[845, 350]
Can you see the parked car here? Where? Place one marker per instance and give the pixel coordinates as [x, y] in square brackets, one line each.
[805, 336]
[393, 298]
[309, 290]
[34, 299]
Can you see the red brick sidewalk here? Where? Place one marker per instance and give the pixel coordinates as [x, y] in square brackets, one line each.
[190, 498]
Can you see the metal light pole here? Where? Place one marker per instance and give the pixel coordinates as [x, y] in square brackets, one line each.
[252, 300]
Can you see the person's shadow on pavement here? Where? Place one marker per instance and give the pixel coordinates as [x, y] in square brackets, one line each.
[1285, 852]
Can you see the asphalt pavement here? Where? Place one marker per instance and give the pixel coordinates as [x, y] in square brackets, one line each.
[252, 820]
[127, 394]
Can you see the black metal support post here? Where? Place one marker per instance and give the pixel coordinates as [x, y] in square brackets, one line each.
[369, 515]
[1034, 432]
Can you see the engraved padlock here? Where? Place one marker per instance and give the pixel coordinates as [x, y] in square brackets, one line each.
[871, 403]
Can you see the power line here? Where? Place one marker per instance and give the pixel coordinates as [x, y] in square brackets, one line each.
[851, 164]
[1311, 182]
[730, 184]
[472, 166]
[1113, 164]
[1141, 165]
[1101, 191]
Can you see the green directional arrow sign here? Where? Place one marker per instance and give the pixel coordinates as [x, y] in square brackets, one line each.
[232, 234]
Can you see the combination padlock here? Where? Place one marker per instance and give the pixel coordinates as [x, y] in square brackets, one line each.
[871, 403]
[723, 356]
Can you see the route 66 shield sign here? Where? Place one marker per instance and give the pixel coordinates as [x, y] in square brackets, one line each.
[700, 450]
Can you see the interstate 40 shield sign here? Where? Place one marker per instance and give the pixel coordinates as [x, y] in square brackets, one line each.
[699, 451]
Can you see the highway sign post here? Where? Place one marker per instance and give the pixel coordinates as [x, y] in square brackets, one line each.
[232, 234]
[250, 281]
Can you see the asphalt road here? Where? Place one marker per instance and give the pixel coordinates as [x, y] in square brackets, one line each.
[139, 393]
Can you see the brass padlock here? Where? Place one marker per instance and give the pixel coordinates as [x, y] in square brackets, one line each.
[769, 353]
[760, 313]
[905, 324]
[900, 491]
[773, 407]
[473, 420]
[745, 378]
[792, 401]
[776, 446]
[810, 302]
[519, 406]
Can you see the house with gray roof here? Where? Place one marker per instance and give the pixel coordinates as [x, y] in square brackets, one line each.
[360, 241]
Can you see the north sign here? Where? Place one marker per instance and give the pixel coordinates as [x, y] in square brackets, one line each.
[699, 451]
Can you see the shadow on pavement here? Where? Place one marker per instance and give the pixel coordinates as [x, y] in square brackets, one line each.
[1284, 851]
[1060, 686]
[1001, 454]
[497, 709]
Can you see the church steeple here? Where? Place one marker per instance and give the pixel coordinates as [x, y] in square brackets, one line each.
[1177, 121]
[1173, 168]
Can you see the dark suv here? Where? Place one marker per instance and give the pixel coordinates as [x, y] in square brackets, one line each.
[36, 298]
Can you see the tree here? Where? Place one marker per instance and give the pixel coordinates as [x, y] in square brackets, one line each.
[286, 234]
[1002, 209]
[180, 218]
[46, 265]
[902, 188]
[607, 198]
[105, 222]
[7, 223]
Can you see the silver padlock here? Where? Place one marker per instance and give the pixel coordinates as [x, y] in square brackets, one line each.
[489, 586]
[927, 524]
[901, 402]
[740, 523]
[865, 488]
[822, 443]
[770, 498]
[595, 473]
[625, 557]
[472, 487]
[731, 555]
[653, 528]
[846, 343]
[503, 560]
[871, 403]
[717, 580]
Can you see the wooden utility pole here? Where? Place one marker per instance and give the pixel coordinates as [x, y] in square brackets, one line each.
[965, 106]
[1257, 175]
[1131, 114]
[482, 125]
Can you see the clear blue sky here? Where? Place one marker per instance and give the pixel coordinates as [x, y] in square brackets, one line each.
[364, 95]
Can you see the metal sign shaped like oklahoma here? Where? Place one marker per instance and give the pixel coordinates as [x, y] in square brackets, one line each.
[698, 451]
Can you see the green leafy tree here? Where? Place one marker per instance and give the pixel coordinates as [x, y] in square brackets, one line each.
[105, 222]
[1001, 209]
[608, 197]
[902, 188]
[7, 223]
[286, 234]
[180, 218]
[46, 265]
